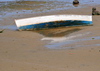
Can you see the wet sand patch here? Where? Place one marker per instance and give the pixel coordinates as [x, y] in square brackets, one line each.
[9, 27]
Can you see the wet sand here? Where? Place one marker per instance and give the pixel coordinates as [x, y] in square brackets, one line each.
[26, 51]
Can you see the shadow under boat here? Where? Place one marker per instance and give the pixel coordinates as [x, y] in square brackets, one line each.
[58, 32]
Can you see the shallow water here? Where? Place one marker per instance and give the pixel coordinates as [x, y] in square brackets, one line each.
[62, 42]
[12, 7]
[10, 27]
[26, 7]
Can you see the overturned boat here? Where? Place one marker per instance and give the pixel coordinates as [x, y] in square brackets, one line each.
[52, 21]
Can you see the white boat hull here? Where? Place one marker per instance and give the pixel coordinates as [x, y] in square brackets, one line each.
[52, 21]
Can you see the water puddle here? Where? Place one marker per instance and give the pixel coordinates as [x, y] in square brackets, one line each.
[59, 37]
[10, 27]
[58, 45]
[59, 42]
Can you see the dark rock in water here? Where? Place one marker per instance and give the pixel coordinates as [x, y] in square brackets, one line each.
[95, 12]
[75, 2]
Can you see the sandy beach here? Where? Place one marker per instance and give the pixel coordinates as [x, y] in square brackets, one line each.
[26, 51]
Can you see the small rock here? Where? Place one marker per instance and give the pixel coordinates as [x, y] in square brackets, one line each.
[95, 12]
[1, 31]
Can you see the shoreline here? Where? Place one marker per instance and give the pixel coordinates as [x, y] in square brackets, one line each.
[25, 50]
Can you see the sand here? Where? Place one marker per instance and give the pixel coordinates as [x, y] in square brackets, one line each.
[25, 51]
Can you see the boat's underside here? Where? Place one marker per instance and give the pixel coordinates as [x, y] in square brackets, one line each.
[55, 24]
